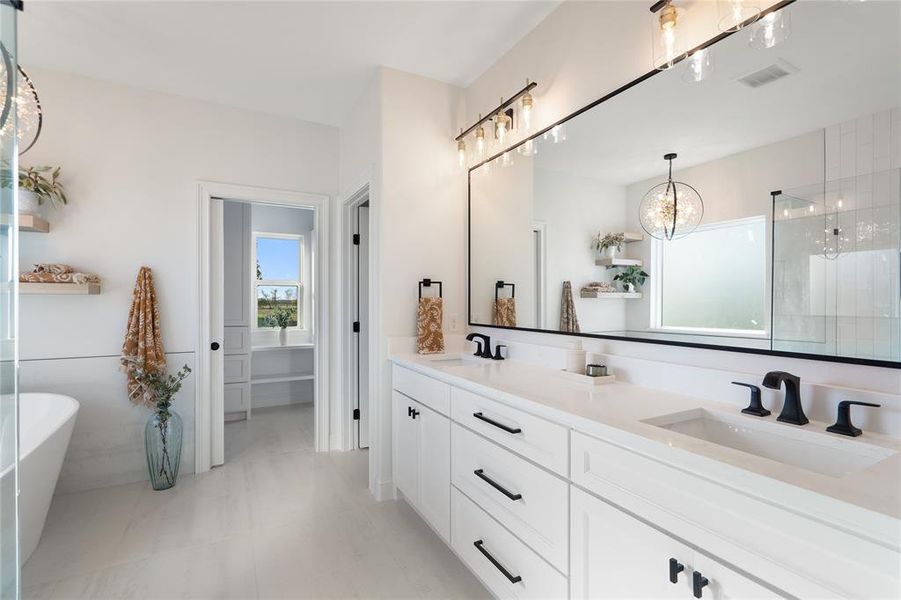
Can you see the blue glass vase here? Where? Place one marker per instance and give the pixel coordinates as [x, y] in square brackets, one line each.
[162, 441]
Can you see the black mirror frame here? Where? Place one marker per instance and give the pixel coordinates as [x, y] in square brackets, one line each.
[616, 92]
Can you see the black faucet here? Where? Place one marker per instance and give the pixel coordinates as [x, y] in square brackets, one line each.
[484, 342]
[792, 412]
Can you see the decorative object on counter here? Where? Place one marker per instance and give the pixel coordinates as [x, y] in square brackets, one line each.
[57, 273]
[631, 277]
[588, 380]
[594, 370]
[143, 340]
[575, 358]
[29, 115]
[671, 209]
[505, 308]
[280, 316]
[569, 322]
[35, 187]
[609, 244]
[163, 432]
[430, 320]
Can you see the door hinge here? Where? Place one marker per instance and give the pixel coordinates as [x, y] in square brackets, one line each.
[356, 327]
[356, 239]
[356, 414]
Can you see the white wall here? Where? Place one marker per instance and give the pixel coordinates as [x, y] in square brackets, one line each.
[131, 160]
[580, 52]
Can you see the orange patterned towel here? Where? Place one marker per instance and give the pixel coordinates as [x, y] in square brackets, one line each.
[505, 312]
[143, 341]
[51, 277]
[429, 326]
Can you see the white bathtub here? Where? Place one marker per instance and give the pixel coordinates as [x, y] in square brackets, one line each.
[45, 427]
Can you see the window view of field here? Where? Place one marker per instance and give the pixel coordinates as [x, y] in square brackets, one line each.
[273, 300]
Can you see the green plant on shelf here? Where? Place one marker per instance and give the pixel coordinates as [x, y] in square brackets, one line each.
[631, 276]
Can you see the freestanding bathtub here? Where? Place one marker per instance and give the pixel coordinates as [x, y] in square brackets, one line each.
[45, 427]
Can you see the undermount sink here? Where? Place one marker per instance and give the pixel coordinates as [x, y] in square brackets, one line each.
[809, 450]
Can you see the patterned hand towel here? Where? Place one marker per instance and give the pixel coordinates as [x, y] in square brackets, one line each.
[569, 322]
[56, 268]
[429, 326]
[143, 340]
[505, 312]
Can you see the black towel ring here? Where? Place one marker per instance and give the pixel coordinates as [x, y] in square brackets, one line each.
[501, 285]
[428, 283]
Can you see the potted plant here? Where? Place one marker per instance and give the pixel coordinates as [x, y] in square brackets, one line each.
[37, 184]
[280, 316]
[609, 244]
[163, 432]
[631, 277]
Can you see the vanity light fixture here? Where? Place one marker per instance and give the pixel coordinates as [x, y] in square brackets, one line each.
[735, 14]
[771, 29]
[665, 41]
[461, 151]
[699, 66]
[503, 121]
[671, 209]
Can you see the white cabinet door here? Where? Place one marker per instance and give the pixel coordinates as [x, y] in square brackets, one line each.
[434, 469]
[406, 448]
[723, 583]
[616, 556]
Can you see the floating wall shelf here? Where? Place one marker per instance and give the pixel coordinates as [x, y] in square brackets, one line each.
[618, 262]
[587, 294]
[28, 223]
[281, 378]
[59, 289]
[632, 237]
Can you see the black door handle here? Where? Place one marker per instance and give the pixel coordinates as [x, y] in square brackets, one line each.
[675, 567]
[481, 475]
[482, 417]
[480, 546]
[214, 346]
[698, 583]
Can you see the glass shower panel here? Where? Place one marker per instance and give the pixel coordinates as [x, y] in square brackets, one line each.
[9, 542]
[837, 268]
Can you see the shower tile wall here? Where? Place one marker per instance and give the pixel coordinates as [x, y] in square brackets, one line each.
[859, 315]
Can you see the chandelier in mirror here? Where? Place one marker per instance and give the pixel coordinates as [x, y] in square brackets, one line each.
[19, 94]
[671, 209]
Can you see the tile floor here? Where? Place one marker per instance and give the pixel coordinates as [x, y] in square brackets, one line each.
[277, 521]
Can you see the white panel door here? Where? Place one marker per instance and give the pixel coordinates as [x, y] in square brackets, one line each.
[617, 556]
[434, 469]
[406, 447]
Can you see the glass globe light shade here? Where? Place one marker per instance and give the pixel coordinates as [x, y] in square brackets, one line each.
[29, 118]
[672, 209]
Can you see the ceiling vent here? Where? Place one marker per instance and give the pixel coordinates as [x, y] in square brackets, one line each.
[768, 74]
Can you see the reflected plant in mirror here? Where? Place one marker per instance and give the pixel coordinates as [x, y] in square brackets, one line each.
[792, 144]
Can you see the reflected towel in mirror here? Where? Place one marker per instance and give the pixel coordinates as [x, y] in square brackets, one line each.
[569, 322]
[505, 312]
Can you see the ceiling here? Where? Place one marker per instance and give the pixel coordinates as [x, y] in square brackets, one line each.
[848, 60]
[308, 60]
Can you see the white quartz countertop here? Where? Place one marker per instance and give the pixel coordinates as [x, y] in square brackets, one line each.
[868, 500]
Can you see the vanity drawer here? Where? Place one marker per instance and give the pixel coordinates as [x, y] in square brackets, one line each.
[489, 550]
[425, 390]
[537, 511]
[236, 368]
[544, 442]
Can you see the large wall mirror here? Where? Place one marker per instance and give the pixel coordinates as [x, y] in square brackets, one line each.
[788, 199]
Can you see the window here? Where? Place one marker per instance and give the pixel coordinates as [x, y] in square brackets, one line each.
[713, 280]
[278, 280]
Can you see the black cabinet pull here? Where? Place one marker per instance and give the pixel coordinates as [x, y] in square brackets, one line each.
[415, 413]
[409, 411]
[482, 417]
[480, 546]
[675, 567]
[481, 475]
[698, 583]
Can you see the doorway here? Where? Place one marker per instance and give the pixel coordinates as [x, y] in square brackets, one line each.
[241, 344]
[359, 308]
